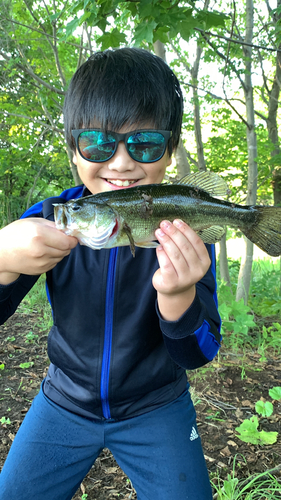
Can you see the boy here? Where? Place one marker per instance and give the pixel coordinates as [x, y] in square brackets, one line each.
[125, 329]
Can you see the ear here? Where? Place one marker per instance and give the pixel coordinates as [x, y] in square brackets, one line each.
[74, 159]
[169, 160]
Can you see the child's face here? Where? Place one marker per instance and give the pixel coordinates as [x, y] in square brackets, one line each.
[120, 171]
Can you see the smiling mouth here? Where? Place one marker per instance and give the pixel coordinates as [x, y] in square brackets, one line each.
[119, 183]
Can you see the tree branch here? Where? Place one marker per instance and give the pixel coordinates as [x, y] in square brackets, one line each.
[222, 56]
[31, 119]
[31, 73]
[239, 42]
[47, 35]
[227, 100]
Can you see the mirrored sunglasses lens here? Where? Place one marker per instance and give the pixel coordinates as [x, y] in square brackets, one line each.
[95, 145]
[146, 146]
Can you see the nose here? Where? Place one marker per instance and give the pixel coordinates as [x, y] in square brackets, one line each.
[121, 160]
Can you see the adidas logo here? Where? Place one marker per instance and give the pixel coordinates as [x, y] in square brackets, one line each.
[194, 434]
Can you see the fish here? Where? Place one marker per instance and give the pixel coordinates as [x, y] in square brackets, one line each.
[131, 216]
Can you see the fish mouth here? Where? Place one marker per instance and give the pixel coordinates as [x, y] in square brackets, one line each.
[61, 216]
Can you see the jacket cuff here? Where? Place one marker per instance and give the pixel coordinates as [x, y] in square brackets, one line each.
[6, 290]
[190, 321]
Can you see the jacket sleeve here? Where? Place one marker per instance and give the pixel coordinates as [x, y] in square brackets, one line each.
[11, 295]
[194, 339]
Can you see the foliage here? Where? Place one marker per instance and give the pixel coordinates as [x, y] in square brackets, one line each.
[149, 20]
[275, 393]
[36, 301]
[248, 430]
[26, 365]
[264, 408]
[5, 421]
[256, 487]
[243, 325]
[264, 297]
[227, 154]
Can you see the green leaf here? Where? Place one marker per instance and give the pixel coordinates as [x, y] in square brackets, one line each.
[211, 19]
[249, 433]
[186, 28]
[5, 420]
[101, 24]
[267, 437]
[264, 408]
[2, 366]
[85, 16]
[161, 34]
[148, 10]
[144, 32]
[54, 17]
[26, 365]
[71, 26]
[112, 39]
[275, 393]
[224, 311]
[229, 485]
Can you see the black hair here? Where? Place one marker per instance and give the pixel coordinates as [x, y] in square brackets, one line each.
[127, 86]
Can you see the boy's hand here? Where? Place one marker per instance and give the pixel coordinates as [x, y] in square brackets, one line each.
[31, 246]
[183, 260]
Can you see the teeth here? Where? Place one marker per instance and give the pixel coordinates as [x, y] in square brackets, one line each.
[119, 183]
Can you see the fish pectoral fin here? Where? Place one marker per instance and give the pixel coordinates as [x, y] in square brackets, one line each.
[147, 244]
[128, 232]
[210, 182]
[212, 234]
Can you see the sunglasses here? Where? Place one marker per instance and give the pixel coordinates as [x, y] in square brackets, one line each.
[144, 146]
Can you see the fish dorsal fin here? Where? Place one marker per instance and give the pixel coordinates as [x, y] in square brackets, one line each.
[212, 234]
[208, 181]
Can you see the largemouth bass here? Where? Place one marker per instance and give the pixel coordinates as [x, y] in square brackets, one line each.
[131, 216]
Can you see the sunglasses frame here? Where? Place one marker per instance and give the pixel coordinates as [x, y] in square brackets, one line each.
[167, 134]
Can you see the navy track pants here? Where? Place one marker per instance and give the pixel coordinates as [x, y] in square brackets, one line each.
[160, 451]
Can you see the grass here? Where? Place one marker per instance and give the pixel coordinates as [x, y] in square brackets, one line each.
[36, 302]
[262, 486]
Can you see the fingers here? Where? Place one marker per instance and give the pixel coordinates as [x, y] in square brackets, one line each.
[33, 246]
[182, 245]
[182, 255]
[53, 238]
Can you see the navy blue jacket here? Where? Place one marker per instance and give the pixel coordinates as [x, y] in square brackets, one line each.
[111, 353]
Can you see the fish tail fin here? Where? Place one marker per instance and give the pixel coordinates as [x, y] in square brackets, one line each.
[266, 231]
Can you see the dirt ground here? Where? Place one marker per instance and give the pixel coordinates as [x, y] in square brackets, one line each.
[224, 394]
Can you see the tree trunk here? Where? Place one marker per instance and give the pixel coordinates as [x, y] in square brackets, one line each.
[276, 184]
[73, 167]
[272, 126]
[224, 271]
[183, 165]
[244, 277]
[196, 111]
[273, 102]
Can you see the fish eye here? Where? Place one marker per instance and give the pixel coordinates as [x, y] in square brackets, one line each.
[76, 208]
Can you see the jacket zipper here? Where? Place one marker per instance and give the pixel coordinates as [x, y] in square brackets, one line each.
[109, 303]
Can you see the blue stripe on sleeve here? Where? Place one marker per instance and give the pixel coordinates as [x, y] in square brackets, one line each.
[207, 341]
